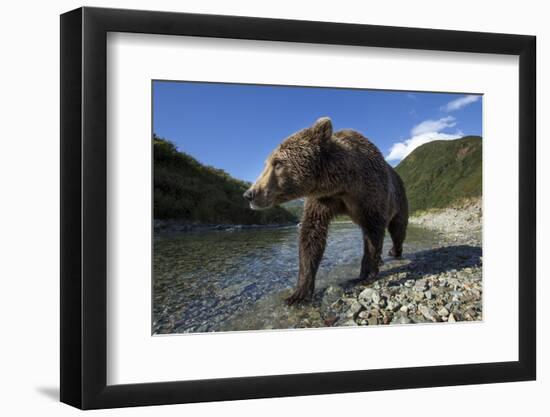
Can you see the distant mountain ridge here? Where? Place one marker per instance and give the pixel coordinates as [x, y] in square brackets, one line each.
[442, 172]
[190, 192]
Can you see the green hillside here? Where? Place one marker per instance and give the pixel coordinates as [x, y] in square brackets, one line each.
[188, 191]
[296, 207]
[439, 173]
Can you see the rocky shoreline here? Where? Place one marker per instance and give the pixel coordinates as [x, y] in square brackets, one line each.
[439, 285]
[460, 223]
[442, 284]
[166, 227]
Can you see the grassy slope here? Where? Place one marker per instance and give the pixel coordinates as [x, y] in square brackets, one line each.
[186, 190]
[441, 172]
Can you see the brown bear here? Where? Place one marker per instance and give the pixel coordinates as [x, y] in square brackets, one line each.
[338, 173]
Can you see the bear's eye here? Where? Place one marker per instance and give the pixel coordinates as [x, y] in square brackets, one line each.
[277, 165]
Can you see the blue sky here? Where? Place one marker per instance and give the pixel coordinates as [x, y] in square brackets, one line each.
[234, 126]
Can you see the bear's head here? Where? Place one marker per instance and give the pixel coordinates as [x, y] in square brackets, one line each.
[292, 170]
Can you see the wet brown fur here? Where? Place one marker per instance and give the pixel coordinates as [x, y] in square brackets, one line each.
[338, 173]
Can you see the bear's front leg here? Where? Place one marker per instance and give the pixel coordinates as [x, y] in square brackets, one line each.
[313, 238]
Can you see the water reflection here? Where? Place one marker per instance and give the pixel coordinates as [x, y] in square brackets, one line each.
[216, 280]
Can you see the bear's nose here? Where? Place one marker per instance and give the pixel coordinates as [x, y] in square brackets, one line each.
[249, 195]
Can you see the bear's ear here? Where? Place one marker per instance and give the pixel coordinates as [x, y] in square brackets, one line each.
[322, 129]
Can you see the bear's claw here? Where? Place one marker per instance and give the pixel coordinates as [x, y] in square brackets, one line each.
[298, 296]
[395, 253]
[368, 277]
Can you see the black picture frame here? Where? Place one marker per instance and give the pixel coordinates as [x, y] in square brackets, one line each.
[84, 207]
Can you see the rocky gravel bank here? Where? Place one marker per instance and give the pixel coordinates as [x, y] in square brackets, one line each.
[442, 284]
[438, 280]
[460, 223]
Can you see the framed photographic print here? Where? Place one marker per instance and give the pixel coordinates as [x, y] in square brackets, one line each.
[258, 207]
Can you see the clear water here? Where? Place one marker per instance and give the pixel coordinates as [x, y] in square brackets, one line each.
[238, 279]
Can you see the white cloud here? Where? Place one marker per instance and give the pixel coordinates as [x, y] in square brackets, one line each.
[433, 125]
[427, 131]
[401, 150]
[459, 103]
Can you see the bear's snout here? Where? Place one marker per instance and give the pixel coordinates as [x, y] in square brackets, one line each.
[249, 195]
[258, 199]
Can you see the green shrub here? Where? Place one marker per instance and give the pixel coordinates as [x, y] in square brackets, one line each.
[186, 190]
